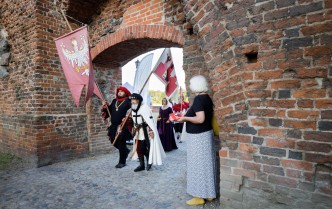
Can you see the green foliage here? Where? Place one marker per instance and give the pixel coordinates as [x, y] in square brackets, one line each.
[156, 97]
[9, 161]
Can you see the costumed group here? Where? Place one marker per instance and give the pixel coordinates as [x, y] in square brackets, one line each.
[131, 118]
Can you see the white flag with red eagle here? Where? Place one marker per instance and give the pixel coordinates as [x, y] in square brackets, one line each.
[165, 72]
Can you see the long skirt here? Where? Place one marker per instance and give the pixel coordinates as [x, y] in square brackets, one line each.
[201, 165]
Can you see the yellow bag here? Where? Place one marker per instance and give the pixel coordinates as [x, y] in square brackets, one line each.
[215, 126]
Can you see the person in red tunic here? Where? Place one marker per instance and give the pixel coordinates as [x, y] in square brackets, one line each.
[181, 108]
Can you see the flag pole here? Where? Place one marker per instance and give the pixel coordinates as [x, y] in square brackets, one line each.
[64, 16]
[127, 116]
[181, 99]
[71, 30]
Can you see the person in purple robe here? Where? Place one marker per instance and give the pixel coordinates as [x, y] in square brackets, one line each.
[165, 127]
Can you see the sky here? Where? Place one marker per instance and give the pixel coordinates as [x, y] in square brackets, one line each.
[128, 70]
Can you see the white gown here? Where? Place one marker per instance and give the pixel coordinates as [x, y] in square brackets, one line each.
[157, 153]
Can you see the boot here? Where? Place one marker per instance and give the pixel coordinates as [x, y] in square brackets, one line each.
[195, 201]
[141, 166]
[148, 166]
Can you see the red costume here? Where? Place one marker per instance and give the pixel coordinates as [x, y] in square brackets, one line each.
[178, 108]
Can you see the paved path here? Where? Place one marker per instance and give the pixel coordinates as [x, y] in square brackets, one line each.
[94, 182]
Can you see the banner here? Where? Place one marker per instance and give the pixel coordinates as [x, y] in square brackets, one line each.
[75, 58]
[142, 74]
[165, 72]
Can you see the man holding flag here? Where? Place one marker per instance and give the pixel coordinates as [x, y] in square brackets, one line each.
[118, 110]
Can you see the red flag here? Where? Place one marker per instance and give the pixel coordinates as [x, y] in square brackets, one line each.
[75, 58]
[165, 71]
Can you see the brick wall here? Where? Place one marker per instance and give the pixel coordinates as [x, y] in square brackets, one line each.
[268, 63]
[271, 109]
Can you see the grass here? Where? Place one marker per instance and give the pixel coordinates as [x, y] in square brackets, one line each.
[9, 161]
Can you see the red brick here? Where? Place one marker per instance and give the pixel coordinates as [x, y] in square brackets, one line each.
[258, 93]
[290, 22]
[305, 103]
[254, 102]
[253, 66]
[310, 93]
[259, 122]
[293, 64]
[328, 3]
[281, 103]
[237, 32]
[300, 124]
[223, 153]
[311, 73]
[317, 51]
[251, 166]
[324, 103]
[296, 164]
[279, 133]
[224, 111]
[273, 170]
[255, 84]
[326, 114]
[247, 148]
[318, 136]
[283, 181]
[248, 76]
[310, 83]
[240, 155]
[281, 113]
[303, 114]
[280, 143]
[239, 138]
[242, 172]
[313, 146]
[262, 112]
[286, 84]
[233, 99]
[299, 174]
[266, 75]
[318, 158]
[317, 28]
[229, 91]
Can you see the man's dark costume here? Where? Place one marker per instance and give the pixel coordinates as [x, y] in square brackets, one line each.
[118, 110]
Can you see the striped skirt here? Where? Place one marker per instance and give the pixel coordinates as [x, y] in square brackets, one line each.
[201, 165]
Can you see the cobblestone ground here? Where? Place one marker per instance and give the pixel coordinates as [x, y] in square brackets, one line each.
[94, 182]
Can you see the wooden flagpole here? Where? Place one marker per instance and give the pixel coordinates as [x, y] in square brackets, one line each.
[127, 116]
[64, 16]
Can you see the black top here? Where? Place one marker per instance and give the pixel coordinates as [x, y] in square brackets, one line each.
[202, 102]
[118, 110]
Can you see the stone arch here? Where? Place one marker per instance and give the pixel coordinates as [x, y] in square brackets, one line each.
[140, 39]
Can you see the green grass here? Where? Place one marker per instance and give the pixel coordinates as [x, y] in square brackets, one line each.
[8, 161]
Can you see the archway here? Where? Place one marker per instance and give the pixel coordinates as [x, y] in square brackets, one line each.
[117, 48]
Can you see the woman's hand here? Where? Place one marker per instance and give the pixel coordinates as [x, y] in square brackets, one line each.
[181, 119]
[151, 134]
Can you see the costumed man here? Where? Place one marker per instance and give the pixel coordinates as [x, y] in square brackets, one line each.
[118, 110]
[180, 108]
[147, 141]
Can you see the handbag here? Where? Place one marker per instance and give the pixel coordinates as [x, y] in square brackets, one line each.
[215, 126]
